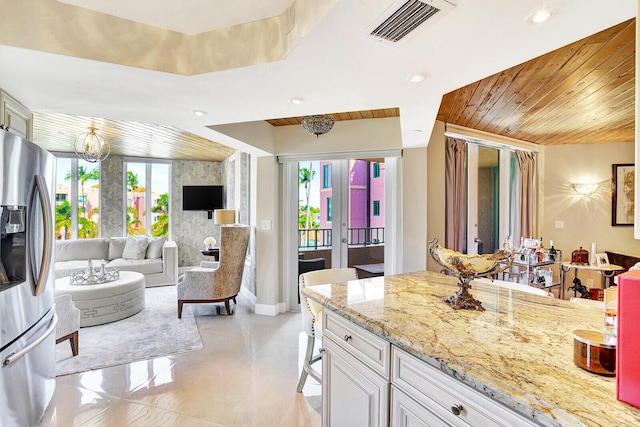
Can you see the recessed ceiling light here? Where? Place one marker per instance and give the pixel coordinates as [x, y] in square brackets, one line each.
[296, 101]
[199, 113]
[416, 78]
[539, 17]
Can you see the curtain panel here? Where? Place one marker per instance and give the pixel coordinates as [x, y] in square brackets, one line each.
[455, 193]
[527, 200]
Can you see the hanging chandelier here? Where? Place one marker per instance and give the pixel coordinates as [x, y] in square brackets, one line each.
[317, 125]
[91, 146]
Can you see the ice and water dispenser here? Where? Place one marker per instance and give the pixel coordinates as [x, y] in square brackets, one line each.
[13, 251]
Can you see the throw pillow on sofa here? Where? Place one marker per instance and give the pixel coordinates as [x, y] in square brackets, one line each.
[116, 246]
[154, 249]
[135, 248]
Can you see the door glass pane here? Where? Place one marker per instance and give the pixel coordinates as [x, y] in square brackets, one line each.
[136, 177]
[488, 200]
[160, 199]
[366, 216]
[314, 209]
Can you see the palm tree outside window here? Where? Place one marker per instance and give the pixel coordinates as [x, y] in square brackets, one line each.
[78, 219]
[147, 210]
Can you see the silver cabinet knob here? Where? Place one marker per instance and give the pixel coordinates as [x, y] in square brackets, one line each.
[456, 409]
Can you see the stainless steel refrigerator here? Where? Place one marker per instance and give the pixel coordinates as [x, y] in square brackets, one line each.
[27, 312]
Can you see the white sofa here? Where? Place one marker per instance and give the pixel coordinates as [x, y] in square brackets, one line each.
[158, 263]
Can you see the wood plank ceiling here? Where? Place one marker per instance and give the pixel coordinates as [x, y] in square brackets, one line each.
[57, 132]
[581, 93]
[354, 115]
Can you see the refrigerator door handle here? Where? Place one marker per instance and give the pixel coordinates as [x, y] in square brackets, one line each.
[39, 188]
[18, 355]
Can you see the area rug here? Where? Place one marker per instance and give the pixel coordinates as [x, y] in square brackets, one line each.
[153, 332]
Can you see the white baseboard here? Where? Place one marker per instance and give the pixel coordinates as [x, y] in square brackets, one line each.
[269, 310]
[262, 309]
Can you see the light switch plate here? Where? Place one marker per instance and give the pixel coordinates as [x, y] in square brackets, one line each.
[266, 224]
[559, 224]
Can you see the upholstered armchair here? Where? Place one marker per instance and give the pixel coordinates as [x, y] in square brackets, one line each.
[68, 322]
[312, 315]
[217, 281]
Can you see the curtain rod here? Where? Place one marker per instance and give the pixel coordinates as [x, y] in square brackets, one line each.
[487, 139]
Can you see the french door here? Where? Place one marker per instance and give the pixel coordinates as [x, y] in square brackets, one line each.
[341, 211]
[335, 210]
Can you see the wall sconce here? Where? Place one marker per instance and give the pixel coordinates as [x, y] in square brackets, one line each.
[584, 189]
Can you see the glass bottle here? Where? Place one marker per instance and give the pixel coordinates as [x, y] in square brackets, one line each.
[522, 249]
[540, 251]
[552, 254]
[611, 322]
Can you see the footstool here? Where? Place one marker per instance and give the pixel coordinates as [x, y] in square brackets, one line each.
[106, 302]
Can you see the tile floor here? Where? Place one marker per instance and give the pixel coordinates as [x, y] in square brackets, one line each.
[246, 375]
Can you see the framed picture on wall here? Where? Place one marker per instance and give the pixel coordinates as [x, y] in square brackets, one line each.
[622, 198]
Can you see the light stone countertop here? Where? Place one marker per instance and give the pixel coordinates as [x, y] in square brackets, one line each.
[519, 351]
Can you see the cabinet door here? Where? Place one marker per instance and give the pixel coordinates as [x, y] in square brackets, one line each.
[352, 393]
[406, 412]
[16, 117]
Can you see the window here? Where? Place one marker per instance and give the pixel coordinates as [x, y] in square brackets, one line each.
[77, 199]
[329, 209]
[376, 170]
[147, 188]
[326, 176]
[376, 208]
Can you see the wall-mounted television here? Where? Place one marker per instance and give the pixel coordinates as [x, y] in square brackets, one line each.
[202, 197]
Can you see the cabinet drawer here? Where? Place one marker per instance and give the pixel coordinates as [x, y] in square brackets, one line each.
[370, 349]
[445, 395]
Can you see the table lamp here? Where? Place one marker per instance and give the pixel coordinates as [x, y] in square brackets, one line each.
[224, 216]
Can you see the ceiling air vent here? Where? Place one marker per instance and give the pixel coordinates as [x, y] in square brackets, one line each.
[405, 16]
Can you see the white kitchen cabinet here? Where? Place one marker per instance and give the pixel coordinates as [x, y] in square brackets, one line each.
[372, 350]
[353, 394]
[368, 382]
[15, 116]
[452, 401]
[406, 412]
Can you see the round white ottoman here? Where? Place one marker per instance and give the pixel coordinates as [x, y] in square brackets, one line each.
[106, 302]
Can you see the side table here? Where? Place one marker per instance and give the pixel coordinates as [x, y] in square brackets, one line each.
[214, 252]
[607, 272]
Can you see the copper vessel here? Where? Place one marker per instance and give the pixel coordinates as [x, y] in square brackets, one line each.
[591, 353]
[580, 256]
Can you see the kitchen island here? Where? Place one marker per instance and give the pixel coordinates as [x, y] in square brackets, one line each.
[519, 352]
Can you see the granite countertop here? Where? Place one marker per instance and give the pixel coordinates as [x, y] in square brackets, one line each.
[519, 351]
